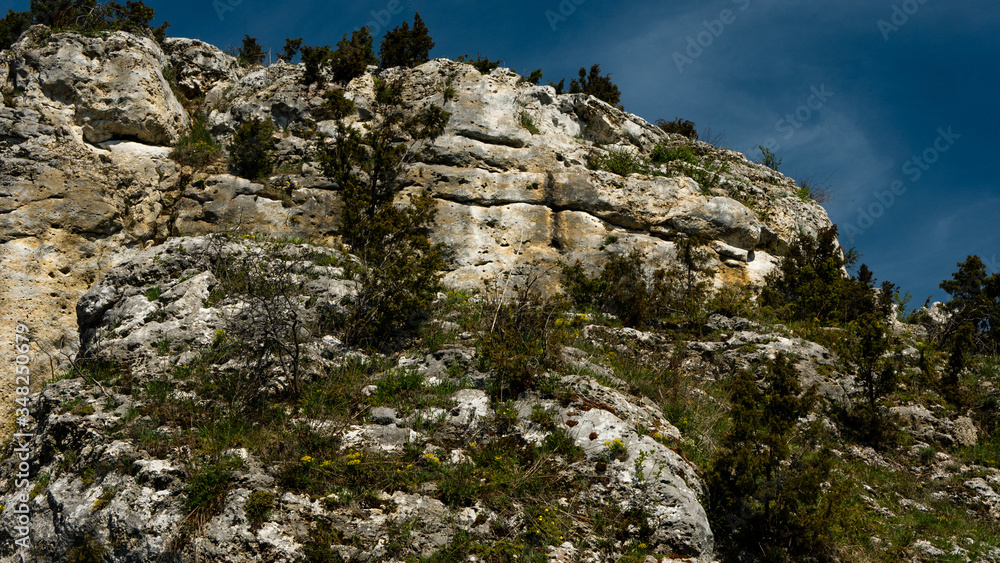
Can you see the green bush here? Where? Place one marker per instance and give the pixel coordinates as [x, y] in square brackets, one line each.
[523, 339]
[769, 159]
[258, 508]
[291, 48]
[962, 349]
[810, 284]
[625, 290]
[197, 149]
[12, 26]
[267, 334]
[406, 47]
[765, 482]
[207, 485]
[529, 123]
[398, 272]
[398, 277]
[974, 306]
[85, 16]
[483, 64]
[813, 190]
[601, 87]
[317, 548]
[313, 59]
[707, 175]
[678, 126]
[86, 549]
[250, 154]
[352, 57]
[250, 53]
[620, 289]
[662, 154]
[335, 106]
[867, 346]
[621, 161]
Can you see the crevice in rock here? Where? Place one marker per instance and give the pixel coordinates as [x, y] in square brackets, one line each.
[491, 140]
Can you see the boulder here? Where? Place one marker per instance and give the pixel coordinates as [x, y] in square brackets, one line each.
[200, 67]
[110, 86]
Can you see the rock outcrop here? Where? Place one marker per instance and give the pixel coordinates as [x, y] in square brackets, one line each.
[198, 67]
[104, 88]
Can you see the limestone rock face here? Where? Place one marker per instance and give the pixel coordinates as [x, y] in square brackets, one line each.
[524, 200]
[514, 198]
[111, 87]
[68, 212]
[199, 67]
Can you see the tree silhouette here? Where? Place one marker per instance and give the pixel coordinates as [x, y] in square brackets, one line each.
[406, 47]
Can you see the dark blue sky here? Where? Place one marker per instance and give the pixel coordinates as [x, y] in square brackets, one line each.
[841, 97]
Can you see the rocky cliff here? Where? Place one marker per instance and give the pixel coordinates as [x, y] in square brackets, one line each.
[87, 124]
[108, 246]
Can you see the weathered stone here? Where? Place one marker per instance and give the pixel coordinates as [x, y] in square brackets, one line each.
[200, 67]
[383, 416]
[110, 87]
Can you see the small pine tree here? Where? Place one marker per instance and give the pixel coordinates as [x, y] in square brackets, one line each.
[314, 58]
[84, 16]
[420, 44]
[962, 346]
[352, 57]
[406, 47]
[12, 26]
[868, 341]
[291, 48]
[975, 301]
[677, 293]
[483, 64]
[679, 126]
[398, 274]
[601, 87]
[810, 282]
[250, 154]
[392, 51]
[768, 158]
[766, 499]
[250, 53]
